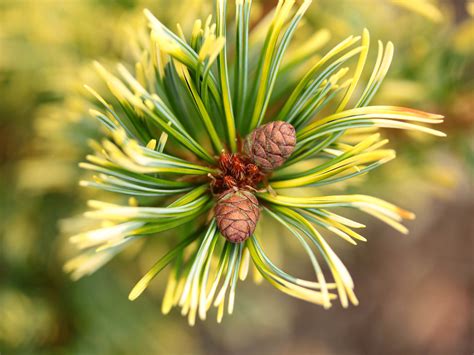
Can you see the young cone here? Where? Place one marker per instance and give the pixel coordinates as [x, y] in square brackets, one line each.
[237, 213]
[271, 144]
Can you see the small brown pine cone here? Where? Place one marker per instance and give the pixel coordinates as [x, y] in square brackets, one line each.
[237, 214]
[271, 144]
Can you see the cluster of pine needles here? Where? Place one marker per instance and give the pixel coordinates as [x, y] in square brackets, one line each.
[191, 97]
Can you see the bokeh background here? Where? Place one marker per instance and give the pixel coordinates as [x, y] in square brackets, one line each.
[416, 293]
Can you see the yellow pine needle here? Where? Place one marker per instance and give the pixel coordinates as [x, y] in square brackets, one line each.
[358, 71]
[244, 266]
[422, 7]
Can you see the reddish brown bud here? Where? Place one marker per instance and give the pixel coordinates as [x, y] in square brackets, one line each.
[237, 214]
[229, 181]
[225, 161]
[252, 169]
[237, 166]
[271, 144]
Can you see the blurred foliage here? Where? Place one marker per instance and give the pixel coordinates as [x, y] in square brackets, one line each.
[46, 48]
[434, 59]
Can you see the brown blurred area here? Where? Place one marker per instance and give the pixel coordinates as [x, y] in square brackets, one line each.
[416, 292]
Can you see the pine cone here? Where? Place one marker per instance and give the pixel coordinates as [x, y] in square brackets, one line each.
[237, 214]
[271, 144]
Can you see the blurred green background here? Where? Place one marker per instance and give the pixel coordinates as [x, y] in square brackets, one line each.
[416, 292]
